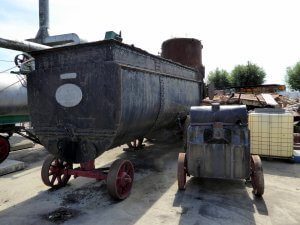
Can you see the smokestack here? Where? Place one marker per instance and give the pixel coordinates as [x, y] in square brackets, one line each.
[44, 20]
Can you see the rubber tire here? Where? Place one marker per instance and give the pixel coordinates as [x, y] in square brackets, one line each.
[45, 173]
[112, 176]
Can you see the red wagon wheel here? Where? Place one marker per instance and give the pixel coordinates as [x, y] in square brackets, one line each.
[181, 171]
[257, 176]
[136, 143]
[53, 172]
[120, 179]
[4, 148]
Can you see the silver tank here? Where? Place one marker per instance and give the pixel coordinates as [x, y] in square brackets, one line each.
[13, 95]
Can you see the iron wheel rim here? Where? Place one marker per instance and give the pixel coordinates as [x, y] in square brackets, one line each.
[53, 172]
[257, 177]
[181, 171]
[120, 179]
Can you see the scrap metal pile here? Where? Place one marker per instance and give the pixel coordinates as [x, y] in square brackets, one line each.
[261, 96]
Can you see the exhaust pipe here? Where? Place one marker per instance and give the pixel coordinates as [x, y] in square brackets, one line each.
[43, 21]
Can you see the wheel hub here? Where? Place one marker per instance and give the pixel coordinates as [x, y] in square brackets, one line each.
[124, 179]
[56, 170]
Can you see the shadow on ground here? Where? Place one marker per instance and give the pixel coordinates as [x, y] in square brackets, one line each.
[218, 202]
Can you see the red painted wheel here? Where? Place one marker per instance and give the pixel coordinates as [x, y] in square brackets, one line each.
[181, 171]
[120, 178]
[53, 172]
[4, 148]
[257, 176]
[136, 144]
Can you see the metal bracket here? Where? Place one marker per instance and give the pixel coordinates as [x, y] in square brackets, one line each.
[218, 131]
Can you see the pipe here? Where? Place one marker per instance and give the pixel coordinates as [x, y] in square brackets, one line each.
[23, 46]
[43, 20]
[44, 13]
[42, 35]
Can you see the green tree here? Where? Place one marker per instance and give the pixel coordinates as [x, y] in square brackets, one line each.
[293, 77]
[220, 78]
[246, 75]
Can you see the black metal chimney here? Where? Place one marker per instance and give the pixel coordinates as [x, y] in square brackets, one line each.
[44, 20]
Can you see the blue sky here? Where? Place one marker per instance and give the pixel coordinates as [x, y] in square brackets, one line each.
[264, 32]
[15, 16]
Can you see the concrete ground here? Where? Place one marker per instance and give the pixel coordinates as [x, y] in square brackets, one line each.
[18, 142]
[25, 200]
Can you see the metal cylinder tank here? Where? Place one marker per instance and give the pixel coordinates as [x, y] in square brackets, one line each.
[186, 51]
[13, 95]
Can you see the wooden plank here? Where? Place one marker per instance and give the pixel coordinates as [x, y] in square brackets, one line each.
[269, 99]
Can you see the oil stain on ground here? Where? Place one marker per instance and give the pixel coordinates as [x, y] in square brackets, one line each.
[61, 215]
[92, 194]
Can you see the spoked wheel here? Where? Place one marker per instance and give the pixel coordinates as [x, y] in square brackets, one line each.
[120, 179]
[257, 176]
[4, 148]
[181, 171]
[21, 58]
[136, 144]
[53, 172]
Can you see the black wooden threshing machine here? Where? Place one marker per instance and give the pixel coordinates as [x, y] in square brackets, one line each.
[217, 146]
